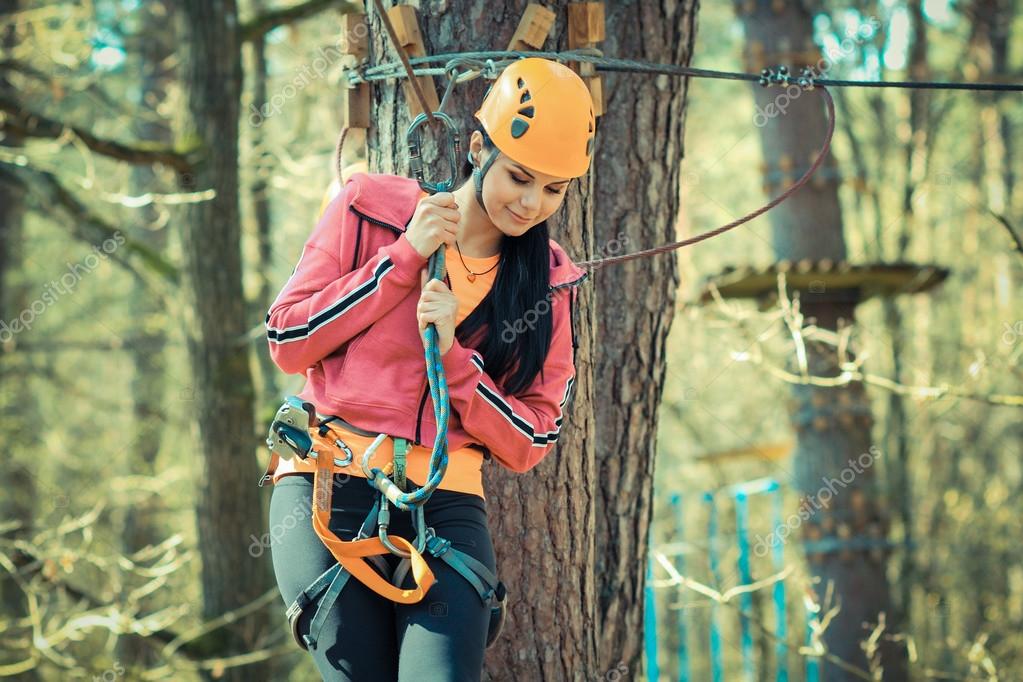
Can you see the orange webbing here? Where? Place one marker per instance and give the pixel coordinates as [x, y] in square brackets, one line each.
[350, 554]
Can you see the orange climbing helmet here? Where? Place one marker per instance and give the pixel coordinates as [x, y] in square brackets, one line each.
[539, 113]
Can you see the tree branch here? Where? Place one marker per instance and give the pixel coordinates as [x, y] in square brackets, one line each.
[28, 124]
[68, 82]
[259, 26]
[1012, 231]
[52, 193]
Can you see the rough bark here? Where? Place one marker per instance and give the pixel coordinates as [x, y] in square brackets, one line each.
[639, 153]
[229, 508]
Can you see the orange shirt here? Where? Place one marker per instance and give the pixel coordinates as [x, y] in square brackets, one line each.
[464, 472]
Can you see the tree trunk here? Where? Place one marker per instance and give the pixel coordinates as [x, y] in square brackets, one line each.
[834, 461]
[229, 508]
[259, 195]
[639, 153]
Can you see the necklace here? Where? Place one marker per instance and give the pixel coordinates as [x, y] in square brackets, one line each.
[472, 275]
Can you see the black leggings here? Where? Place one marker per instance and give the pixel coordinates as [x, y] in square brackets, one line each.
[367, 636]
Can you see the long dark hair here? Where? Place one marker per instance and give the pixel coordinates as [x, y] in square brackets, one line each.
[514, 342]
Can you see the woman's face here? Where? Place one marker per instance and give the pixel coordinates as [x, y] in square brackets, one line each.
[517, 198]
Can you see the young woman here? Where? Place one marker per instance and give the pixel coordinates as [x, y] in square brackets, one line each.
[352, 318]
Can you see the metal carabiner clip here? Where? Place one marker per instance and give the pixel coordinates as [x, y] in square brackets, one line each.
[415, 147]
[423, 534]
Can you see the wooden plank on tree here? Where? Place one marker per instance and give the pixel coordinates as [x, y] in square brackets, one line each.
[586, 29]
[406, 26]
[534, 27]
[355, 99]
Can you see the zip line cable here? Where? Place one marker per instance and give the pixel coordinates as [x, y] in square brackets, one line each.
[486, 63]
[384, 71]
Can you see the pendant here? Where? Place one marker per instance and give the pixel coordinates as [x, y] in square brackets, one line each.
[471, 277]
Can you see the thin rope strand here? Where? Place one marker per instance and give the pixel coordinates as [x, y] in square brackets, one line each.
[601, 262]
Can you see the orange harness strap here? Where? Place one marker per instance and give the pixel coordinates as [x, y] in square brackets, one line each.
[351, 554]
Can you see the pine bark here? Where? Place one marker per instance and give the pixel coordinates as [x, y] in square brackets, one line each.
[637, 199]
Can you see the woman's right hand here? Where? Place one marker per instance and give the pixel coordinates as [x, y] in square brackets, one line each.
[435, 222]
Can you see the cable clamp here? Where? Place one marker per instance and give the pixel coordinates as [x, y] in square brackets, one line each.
[806, 78]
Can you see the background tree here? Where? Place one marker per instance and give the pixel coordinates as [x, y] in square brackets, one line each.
[832, 425]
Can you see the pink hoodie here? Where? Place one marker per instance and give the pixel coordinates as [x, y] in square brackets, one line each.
[346, 318]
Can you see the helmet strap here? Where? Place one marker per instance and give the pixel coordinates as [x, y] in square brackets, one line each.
[478, 173]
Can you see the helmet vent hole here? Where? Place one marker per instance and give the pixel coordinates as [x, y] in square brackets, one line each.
[527, 111]
[525, 97]
[519, 128]
[591, 126]
[522, 83]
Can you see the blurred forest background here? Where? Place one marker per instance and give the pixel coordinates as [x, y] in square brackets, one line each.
[100, 573]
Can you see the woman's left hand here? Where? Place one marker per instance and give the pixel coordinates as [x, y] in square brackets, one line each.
[437, 305]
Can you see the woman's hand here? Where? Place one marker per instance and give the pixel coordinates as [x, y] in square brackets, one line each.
[437, 305]
[435, 222]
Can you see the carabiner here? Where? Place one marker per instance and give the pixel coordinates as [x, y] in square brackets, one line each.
[415, 146]
[423, 534]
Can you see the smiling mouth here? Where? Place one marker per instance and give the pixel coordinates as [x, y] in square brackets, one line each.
[517, 217]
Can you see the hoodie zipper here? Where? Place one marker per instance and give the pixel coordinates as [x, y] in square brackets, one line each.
[422, 404]
[426, 380]
[375, 221]
[569, 284]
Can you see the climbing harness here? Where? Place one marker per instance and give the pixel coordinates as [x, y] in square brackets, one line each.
[297, 430]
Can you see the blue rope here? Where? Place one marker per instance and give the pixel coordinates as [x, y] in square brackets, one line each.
[653, 671]
[441, 409]
[745, 575]
[781, 629]
[683, 650]
[434, 363]
[716, 653]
